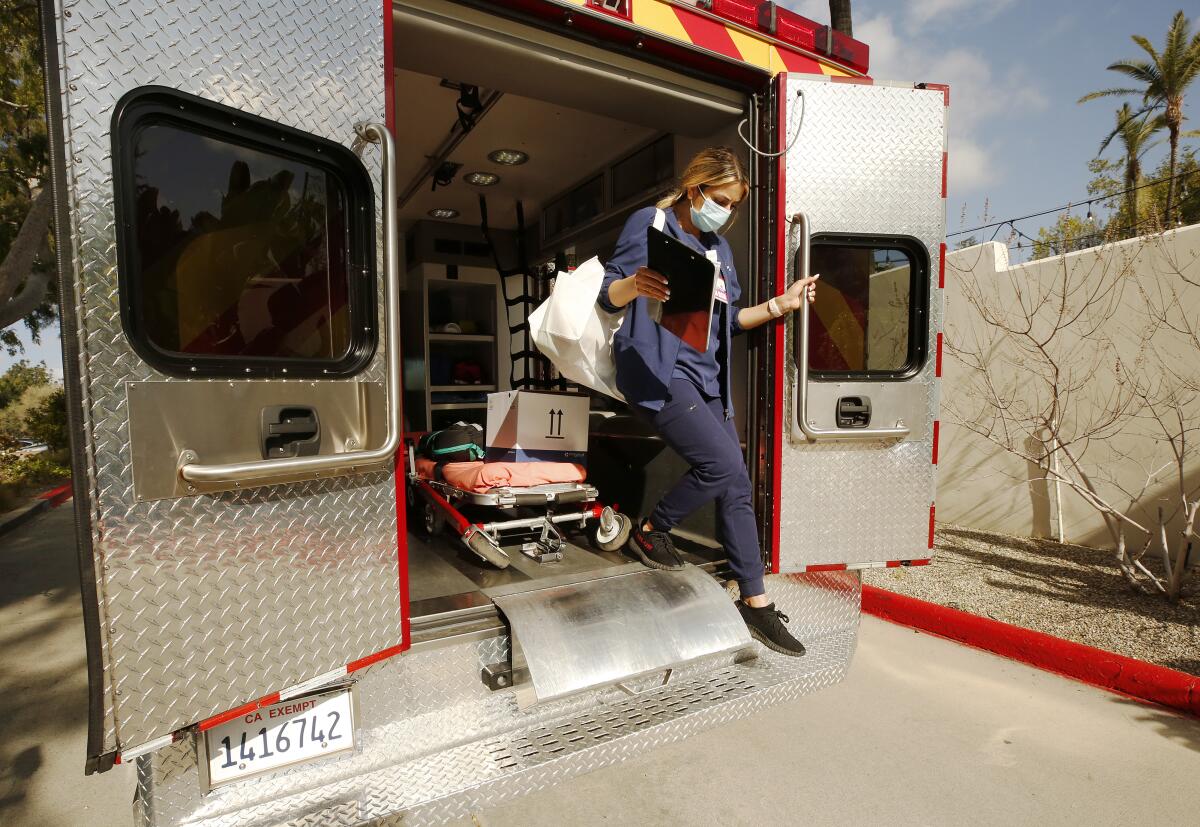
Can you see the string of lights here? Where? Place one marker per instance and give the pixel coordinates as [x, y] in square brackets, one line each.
[1078, 241]
[1087, 201]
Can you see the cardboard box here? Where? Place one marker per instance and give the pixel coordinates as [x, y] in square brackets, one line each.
[537, 425]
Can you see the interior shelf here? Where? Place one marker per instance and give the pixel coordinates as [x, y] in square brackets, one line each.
[456, 406]
[461, 388]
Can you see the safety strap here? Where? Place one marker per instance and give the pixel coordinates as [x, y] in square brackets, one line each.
[470, 447]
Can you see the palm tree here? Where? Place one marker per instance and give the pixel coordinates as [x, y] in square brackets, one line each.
[1164, 78]
[839, 17]
[1135, 134]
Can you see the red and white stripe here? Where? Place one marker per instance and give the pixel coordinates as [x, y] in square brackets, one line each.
[295, 690]
[941, 286]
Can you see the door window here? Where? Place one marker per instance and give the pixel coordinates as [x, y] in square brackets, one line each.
[246, 247]
[869, 315]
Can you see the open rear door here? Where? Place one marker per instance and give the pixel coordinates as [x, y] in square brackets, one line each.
[229, 276]
[862, 203]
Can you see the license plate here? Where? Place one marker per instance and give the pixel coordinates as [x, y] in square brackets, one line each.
[280, 735]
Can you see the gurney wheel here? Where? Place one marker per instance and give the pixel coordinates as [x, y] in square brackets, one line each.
[611, 530]
[431, 520]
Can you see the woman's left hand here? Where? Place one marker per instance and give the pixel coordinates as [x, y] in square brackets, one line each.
[790, 300]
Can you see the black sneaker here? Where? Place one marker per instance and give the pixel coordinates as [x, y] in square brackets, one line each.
[654, 548]
[766, 626]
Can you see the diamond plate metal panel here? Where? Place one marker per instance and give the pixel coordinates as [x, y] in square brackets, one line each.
[210, 601]
[868, 160]
[436, 744]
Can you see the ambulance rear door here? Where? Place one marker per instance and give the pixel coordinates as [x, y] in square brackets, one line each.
[861, 201]
[229, 268]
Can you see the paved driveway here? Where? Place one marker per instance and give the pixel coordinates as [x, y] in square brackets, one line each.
[922, 732]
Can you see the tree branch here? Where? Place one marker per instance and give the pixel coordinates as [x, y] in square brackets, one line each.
[21, 289]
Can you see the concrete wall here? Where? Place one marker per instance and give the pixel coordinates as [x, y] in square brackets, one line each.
[1114, 296]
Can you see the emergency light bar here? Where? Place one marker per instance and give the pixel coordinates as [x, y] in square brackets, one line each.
[618, 7]
[742, 11]
[787, 27]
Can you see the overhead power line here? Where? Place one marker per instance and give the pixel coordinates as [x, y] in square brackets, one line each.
[1093, 200]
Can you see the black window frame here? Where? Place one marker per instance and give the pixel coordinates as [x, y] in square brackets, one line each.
[159, 105]
[918, 306]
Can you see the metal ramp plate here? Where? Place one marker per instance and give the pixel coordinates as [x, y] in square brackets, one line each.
[570, 638]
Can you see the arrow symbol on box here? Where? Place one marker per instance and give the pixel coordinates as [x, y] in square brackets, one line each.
[553, 414]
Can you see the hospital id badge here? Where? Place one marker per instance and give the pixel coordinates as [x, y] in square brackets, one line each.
[721, 294]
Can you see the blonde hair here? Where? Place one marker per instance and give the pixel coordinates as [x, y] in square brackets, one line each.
[710, 167]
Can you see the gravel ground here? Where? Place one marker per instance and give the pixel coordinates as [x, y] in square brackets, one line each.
[1069, 591]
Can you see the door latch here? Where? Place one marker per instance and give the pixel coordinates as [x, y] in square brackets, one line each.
[853, 412]
[290, 431]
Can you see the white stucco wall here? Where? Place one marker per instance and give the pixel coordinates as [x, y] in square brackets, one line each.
[983, 486]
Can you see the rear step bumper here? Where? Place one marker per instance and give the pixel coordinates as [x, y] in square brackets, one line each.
[437, 745]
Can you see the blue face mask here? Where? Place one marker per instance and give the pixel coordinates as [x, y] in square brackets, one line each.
[711, 216]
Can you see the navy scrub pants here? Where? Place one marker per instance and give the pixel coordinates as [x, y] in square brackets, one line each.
[694, 425]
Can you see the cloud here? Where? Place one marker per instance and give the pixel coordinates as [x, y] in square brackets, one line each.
[812, 9]
[971, 167]
[919, 12]
[888, 56]
[951, 12]
[915, 14]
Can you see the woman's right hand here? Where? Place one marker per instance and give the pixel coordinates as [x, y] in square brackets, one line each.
[650, 283]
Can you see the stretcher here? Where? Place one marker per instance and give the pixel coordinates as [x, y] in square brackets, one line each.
[568, 502]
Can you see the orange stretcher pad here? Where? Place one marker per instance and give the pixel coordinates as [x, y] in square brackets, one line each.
[481, 477]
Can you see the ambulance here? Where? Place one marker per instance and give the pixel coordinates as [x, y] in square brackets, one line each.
[291, 234]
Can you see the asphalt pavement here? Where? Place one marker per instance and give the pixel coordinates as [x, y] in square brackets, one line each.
[923, 731]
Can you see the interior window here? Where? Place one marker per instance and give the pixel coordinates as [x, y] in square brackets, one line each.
[868, 317]
[647, 169]
[575, 208]
[238, 253]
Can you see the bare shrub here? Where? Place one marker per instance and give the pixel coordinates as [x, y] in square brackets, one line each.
[1089, 371]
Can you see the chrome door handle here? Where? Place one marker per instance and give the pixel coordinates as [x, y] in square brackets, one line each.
[349, 462]
[801, 429]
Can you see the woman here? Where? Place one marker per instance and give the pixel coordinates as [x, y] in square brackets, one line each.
[685, 393]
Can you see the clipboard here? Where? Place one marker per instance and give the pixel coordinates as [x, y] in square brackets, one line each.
[693, 283]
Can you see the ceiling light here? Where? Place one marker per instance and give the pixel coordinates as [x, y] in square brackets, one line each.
[443, 213]
[508, 157]
[481, 179]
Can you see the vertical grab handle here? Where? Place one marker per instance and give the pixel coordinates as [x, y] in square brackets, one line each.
[348, 462]
[801, 428]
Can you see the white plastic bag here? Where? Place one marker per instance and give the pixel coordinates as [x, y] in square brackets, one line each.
[575, 333]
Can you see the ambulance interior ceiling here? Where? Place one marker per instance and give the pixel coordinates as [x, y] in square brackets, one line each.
[563, 144]
[572, 107]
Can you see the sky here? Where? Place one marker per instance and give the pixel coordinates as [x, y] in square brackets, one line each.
[1019, 142]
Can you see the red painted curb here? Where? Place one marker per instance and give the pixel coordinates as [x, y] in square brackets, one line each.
[1107, 670]
[57, 496]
